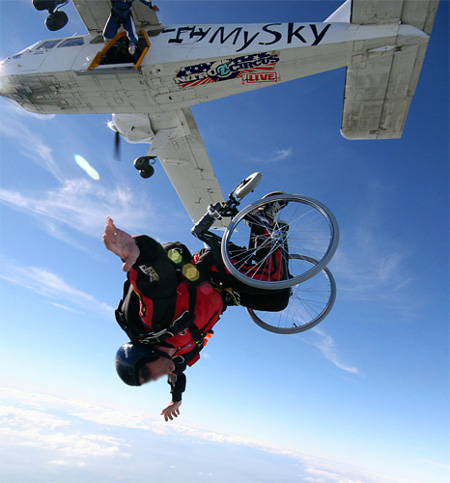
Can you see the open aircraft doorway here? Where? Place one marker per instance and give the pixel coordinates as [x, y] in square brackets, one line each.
[115, 52]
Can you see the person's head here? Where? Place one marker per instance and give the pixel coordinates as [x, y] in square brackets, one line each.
[137, 364]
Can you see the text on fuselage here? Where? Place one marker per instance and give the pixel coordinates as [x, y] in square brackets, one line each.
[268, 35]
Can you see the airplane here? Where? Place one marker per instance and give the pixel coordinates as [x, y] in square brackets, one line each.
[382, 44]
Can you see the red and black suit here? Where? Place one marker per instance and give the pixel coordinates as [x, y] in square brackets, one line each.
[168, 288]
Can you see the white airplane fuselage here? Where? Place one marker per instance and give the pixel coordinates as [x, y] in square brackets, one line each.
[188, 64]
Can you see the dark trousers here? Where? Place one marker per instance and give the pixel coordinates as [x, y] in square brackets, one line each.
[113, 24]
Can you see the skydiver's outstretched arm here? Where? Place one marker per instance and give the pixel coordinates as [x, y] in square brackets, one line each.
[120, 243]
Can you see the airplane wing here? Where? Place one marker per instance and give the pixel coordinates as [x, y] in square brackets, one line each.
[94, 14]
[184, 159]
[380, 86]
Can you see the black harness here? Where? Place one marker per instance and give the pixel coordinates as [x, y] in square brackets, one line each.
[185, 321]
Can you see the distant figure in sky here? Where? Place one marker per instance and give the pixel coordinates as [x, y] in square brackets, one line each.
[172, 300]
[121, 16]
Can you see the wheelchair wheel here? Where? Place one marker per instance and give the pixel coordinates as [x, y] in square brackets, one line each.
[309, 303]
[299, 224]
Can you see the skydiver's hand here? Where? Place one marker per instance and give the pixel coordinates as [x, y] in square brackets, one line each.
[155, 8]
[171, 411]
[120, 243]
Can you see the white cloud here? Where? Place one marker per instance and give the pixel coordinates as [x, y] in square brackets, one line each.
[275, 156]
[57, 427]
[365, 272]
[31, 145]
[39, 429]
[326, 472]
[51, 285]
[76, 204]
[67, 463]
[64, 307]
[281, 155]
[373, 268]
[436, 463]
[31, 418]
[324, 476]
[327, 346]
[82, 205]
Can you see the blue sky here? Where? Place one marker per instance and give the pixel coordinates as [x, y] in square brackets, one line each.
[362, 397]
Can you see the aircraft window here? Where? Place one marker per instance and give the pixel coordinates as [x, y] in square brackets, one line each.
[72, 42]
[49, 44]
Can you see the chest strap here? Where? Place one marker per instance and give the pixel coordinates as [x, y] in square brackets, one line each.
[195, 332]
[185, 321]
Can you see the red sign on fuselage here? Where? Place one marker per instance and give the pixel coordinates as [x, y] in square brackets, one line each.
[253, 77]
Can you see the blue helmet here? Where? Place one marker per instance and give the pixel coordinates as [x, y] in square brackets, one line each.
[130, 357]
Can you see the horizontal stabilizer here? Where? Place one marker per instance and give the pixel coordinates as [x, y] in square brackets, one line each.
[378, 94]
[418, 13]
[379, 85]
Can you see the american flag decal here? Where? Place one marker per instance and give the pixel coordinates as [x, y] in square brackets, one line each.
[233, 68]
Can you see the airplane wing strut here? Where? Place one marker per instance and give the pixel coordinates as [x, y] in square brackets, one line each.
[184, 159]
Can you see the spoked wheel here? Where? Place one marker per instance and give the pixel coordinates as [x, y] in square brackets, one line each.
[291, 224]
[309, 303]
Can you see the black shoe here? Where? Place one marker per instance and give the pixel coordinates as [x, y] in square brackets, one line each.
[270, 210]
[267, 212]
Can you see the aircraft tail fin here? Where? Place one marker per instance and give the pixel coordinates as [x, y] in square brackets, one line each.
[342, 14]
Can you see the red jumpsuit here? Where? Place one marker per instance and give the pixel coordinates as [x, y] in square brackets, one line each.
[161, 288]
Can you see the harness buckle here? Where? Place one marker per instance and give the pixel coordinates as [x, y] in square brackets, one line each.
[152, 338]
[179, 360]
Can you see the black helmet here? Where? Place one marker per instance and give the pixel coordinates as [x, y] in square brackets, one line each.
[131, 356]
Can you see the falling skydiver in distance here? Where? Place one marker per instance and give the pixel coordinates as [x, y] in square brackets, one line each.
[172, 300]
[121, 16]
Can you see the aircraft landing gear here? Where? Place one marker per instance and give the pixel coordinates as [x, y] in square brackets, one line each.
[144, 165]
[57, 19]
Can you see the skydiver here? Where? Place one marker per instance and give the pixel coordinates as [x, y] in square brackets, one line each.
[180, 296]
[121, 16]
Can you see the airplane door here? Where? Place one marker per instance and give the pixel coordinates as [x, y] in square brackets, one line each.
[31, 61]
